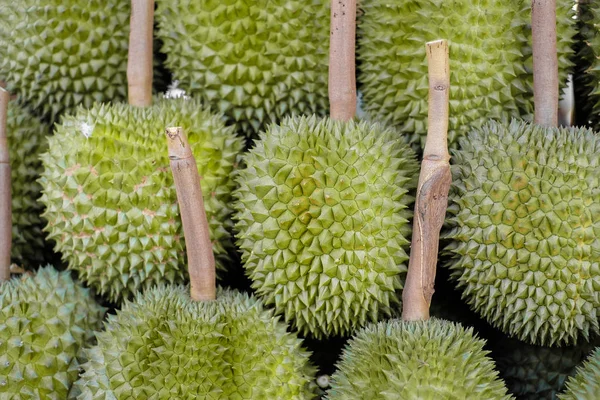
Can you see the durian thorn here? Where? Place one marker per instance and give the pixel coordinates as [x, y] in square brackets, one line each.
[342, 76]
[139, 58]
[16, 270]
[5, 192]
[200, 257]
[545, 62]
[432, 191]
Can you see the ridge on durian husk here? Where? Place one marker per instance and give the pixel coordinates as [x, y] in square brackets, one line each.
[524, 232]
[26, 141]
[322, 220]
[585, 385]
[164, 345]
[45, 319]
[417, 360]
[110, 200]
[253, 61]
[490, 60]
[536, 372]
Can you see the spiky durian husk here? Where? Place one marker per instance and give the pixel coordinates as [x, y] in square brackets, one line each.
[322, 221]
[166, 346]
[44, 321]
[585, 385]
[525, 231]
[424, 360]
[588, 80]
[536, 372]
[26, 140]
[110, 198]
[58, 54]
[254, 61]
[490, 59]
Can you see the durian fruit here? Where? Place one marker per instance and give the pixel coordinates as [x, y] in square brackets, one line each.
[56, 55]
[254, 61]
[524, 231]
[171, 343]
[166, 345]
[416, 360]
[524, 236]
[27, 140]
[585, 385]
[537, 372]
[110, 204]
[321, 211]
[491, 57]
[45, 320]
[322, 221]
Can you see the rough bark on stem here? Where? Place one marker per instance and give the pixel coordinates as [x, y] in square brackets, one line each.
[342, 77]
[139, 58]
[5, 192]
[545, 62]
[201, 260]
[432, 191]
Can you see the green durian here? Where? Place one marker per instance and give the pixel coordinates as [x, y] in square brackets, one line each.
[524, 235]
[585, 385]
[537, 372]
[322, 221]
[254, 61]
[163, 345]
[56, 55]
[490, 63]
[45, 320]
[26, 140]
[110, 203]
[424, 360]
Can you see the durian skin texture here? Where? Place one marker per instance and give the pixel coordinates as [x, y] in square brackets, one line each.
[56, 55]
[163, 345]
[26, 141]
[322, 221]
[255, 61]
[587, 59]
[490, 60]
[110, 197]
[45, 320]
[536, 372]
[423, 360]
[585, 385]
[525, 211]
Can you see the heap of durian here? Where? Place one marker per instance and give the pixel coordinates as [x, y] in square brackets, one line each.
[170, 344]
[420, 358]
[57, 55]
[110, 204]
[586, 384]
[44, 318]
[491, 59]
[254, 61]
[525, 233]
[27, 140]
[322, 216]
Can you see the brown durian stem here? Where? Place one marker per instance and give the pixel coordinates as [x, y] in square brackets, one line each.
[432, 191]
[342, 76]
[5, 195]
[545, 62]
[201, 260]
[139, 59]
